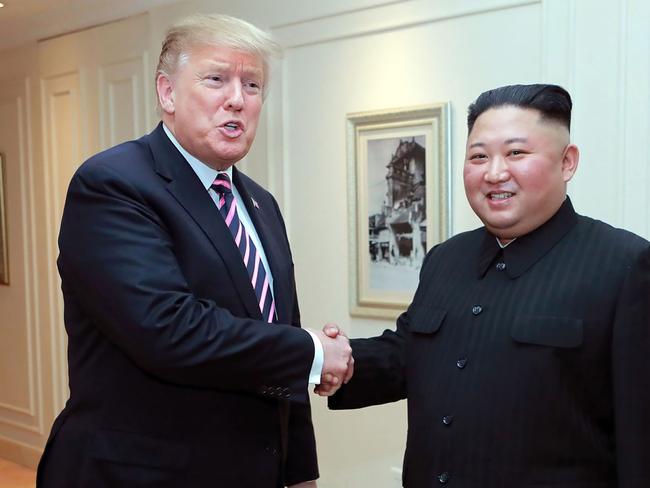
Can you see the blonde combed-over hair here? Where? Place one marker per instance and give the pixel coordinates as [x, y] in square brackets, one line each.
[214, 30]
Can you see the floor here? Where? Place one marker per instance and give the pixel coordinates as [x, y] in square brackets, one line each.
[14, 476]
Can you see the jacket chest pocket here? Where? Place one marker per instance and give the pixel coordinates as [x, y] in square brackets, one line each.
[559, 332]
[426, 320]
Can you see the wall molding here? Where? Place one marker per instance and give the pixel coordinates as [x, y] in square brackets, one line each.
[25, 417]
[128, 70]
[382, 18]
[634, 113]
[19, 452]
[61, 85]
[558, 43]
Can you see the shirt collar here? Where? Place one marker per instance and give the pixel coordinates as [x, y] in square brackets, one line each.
[204, 172]
[526, 250]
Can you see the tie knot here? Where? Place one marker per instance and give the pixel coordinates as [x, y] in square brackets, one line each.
[222, 184]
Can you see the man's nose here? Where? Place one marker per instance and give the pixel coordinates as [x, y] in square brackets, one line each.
[235, 96]
[497, 170]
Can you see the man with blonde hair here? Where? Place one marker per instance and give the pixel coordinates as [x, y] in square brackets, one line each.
[187, 363]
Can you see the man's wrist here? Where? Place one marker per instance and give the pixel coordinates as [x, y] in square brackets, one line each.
[317, 363]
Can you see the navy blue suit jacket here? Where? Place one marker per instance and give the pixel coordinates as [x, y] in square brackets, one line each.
[175, 380]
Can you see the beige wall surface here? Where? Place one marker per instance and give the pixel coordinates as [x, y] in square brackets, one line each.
[66, 98]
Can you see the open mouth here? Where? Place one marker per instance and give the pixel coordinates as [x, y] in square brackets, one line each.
[499, 196]
[232, 126]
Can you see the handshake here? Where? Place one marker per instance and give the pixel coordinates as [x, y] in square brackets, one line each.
[338, 363]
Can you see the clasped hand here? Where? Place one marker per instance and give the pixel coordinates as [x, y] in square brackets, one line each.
[338, 364]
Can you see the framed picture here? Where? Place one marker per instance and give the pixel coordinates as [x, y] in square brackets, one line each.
[399, 199]
[4, 258]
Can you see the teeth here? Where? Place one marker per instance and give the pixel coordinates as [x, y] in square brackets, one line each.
[231, 126]
[500, 196]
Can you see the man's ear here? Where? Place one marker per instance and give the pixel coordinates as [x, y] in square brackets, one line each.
[570, 162]
[165, 89]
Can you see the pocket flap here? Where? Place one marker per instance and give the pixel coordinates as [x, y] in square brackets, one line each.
[547, 331]
[139, 450]
[427, 321]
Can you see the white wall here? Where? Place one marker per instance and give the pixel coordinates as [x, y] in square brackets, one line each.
[418, 52]
[341, 56]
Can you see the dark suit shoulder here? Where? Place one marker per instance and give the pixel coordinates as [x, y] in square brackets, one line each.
[456, 245]
[125, 158]
[626, 244]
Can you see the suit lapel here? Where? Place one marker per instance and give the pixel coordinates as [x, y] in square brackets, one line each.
[271, 235]
[187, 189]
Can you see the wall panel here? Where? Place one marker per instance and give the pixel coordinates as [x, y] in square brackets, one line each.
[419, 54]
[122, 101]
[62, 135]
[21, 420]
[17, 350]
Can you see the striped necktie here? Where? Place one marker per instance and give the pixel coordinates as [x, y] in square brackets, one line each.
[251, 256]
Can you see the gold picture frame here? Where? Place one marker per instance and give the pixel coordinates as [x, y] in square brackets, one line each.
[4, 253]
[399, 191]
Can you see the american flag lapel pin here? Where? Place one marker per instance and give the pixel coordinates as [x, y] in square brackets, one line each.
[255, 204]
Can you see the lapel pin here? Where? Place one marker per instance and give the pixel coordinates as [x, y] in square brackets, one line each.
[255, 204]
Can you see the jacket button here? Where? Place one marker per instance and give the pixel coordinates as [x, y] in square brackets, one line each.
[447, 419]
[477, 309]
[461, 363]
[501, 266]
[443, 478]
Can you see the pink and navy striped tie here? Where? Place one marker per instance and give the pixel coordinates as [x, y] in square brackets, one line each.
[250, 254]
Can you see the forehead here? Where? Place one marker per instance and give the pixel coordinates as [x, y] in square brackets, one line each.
[507, 117]
[206, 56]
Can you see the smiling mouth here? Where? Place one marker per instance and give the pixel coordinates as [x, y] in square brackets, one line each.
[496, 196]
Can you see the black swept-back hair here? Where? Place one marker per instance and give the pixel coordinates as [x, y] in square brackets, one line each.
[551, 101]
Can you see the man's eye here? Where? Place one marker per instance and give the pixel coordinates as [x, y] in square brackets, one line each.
[477, 157]
[516, 152]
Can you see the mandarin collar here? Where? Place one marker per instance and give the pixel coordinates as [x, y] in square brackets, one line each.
[526, 250]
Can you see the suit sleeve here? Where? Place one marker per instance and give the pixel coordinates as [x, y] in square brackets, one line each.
[379, 370]
[117, 258]
[380, 362]
[631, 377]
[301, 461]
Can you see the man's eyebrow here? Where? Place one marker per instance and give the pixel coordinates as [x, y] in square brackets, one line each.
[477, 144]
[516, 139]
[222, 65]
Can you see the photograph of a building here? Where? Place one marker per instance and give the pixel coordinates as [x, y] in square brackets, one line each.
[396, 211]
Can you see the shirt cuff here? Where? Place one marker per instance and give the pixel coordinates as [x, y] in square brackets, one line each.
[317, 364]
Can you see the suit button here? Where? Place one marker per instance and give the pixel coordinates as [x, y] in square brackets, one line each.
[501, 266]
[443, 478]
[477, 309]
[447, 419]
[461, 363]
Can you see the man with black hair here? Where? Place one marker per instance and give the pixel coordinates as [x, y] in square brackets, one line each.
[525, 354]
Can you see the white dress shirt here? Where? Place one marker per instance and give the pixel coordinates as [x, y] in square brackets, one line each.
[207, 176]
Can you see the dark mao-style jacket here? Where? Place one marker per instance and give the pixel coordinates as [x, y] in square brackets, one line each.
[523, 367]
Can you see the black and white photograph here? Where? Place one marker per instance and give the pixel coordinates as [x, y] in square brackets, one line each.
[397, 227]
[398, 202]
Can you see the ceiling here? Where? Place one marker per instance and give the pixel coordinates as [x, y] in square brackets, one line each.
[22, 21]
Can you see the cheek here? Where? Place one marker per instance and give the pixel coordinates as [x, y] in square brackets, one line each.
[534, 177]
[472, 178]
